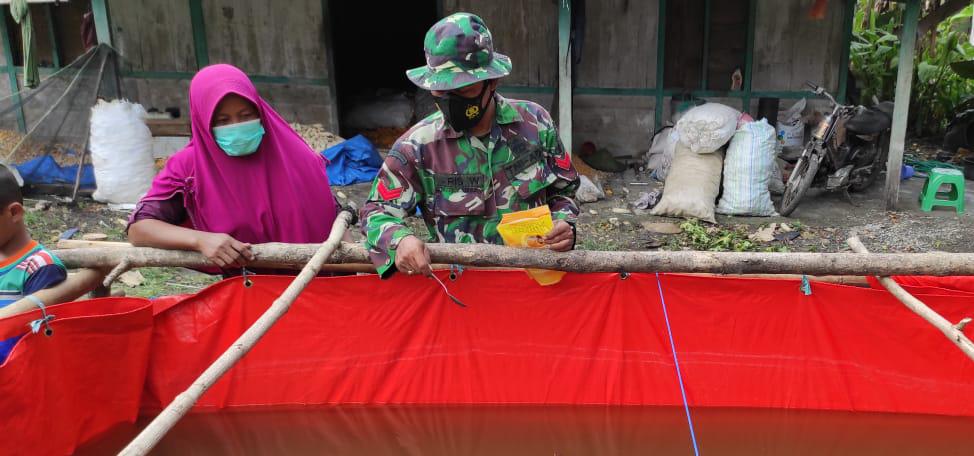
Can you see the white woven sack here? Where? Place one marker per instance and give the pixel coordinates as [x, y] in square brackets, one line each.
[708, 127]
[748, 166]
[121, 152]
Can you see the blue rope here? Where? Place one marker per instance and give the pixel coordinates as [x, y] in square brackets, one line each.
[45, 320]
[806, 287]
[676, 362]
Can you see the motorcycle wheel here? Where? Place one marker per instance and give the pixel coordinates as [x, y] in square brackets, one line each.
[879, 164]
[798, 183]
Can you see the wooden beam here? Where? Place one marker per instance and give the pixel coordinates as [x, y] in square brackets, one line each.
[752, 14]
[169, 127]
[660, 62]
[12, 71]
[199, 33]
[901, 111]
[848, 17]
[565, 74]
[52, 36]
[99, 9]
[290, 256]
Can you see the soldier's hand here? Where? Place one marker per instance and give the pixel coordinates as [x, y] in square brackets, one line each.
[561, 238]
[412, 257]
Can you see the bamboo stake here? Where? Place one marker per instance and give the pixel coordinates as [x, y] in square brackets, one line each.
[288, 256]
[954, 332]
[152, 434]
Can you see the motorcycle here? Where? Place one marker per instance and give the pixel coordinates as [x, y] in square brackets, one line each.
[847, 151]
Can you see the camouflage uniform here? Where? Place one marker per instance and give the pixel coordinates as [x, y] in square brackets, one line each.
[463, 184]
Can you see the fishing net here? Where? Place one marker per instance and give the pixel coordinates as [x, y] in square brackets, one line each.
[43, 131]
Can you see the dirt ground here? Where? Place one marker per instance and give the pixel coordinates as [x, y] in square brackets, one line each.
[822, 223]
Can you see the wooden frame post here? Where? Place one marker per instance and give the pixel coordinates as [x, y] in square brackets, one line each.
[565, 74]
[99, 9]
[11, 70]
[199, 33]
[848, 18]
[660, 62]
[752, 14]
[901, 111]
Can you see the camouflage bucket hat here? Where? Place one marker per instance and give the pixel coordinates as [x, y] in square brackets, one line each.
[459, 52]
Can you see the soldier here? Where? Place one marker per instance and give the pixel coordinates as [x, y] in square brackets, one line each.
[477, 158]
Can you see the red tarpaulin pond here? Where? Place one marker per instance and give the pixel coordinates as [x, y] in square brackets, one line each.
[593, 340]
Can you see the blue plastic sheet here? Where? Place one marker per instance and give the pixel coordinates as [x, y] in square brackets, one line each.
[352, 161]
[45, 170]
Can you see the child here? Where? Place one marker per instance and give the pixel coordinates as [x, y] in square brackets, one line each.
[25, 266]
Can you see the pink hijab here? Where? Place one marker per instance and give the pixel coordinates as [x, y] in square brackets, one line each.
[278, 194]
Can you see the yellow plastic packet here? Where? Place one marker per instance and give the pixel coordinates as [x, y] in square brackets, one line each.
[527, 229]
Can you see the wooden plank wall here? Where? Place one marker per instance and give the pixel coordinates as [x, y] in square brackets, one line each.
[790, 48]
[153, 35]
[259, 37]
[267, 38]
[526, 31]
[619, 51]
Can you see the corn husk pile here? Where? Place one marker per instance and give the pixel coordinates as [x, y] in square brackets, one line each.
[9, 139]
[64, 154]
[384, 137]
[316, 136]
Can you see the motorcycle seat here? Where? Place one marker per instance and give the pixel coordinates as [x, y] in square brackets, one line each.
[869, 122]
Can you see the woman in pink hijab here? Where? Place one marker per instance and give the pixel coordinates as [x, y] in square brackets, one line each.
[245, 177]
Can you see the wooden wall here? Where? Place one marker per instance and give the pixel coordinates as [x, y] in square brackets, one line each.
[153, 35]
[260, 37]
[268, 38]
[619, 49]
[524, 30]
[790, 48]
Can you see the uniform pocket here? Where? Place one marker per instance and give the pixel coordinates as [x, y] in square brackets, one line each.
[459, 194]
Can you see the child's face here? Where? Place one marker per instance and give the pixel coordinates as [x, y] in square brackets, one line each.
[11, 220]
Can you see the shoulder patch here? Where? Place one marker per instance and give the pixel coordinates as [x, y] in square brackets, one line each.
[386, 193]
[564, 162]
[35, 262]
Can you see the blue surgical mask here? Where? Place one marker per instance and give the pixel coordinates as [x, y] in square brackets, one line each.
[239, 139]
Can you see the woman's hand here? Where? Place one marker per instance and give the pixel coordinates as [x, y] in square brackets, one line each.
[223, 250]
[561, 238]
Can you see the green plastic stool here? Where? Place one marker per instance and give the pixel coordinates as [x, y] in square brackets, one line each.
[930, 195]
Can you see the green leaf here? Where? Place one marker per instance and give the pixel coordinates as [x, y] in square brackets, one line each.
[887, 37]
[926, 72]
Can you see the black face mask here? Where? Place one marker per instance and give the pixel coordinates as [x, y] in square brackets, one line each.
[461, 112]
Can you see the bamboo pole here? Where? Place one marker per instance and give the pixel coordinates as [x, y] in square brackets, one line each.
[289, 256]
[153, 433]
[954, 332]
